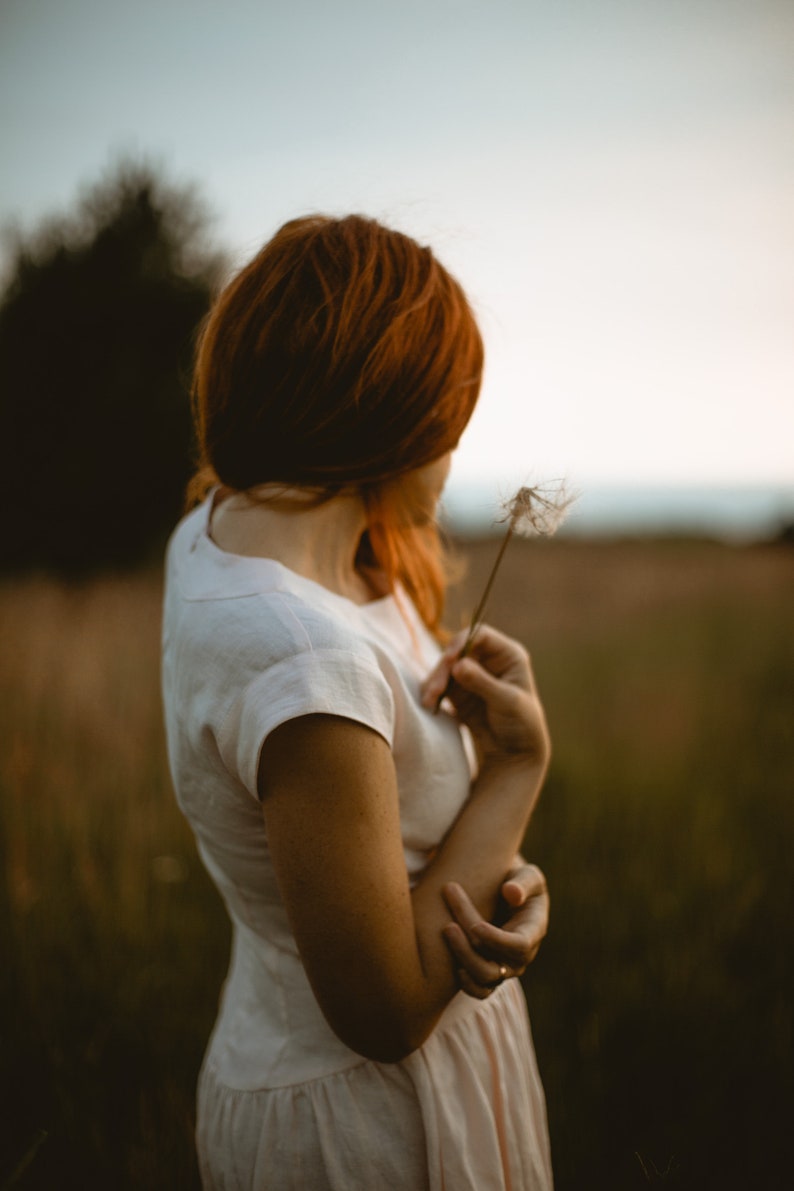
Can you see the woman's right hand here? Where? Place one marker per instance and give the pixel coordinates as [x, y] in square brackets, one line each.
[493, 693]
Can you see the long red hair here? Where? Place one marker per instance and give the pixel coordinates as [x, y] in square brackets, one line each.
[343, 355]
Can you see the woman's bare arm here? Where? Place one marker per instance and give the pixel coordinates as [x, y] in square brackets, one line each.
[374, 949]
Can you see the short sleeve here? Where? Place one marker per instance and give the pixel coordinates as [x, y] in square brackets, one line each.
[324, 681]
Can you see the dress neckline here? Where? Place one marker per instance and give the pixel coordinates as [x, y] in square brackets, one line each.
[259, 565]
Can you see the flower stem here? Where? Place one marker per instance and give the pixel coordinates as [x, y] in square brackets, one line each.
[479, 611]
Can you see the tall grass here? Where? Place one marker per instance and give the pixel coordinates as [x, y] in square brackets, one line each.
[661, 1002]
[115, 942]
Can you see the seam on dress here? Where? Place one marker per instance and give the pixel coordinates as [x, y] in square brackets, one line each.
[285, 603]
[212, 1071]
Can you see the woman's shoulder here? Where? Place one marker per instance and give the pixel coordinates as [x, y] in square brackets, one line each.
[308, 623]
[260, 625]
[247, 614]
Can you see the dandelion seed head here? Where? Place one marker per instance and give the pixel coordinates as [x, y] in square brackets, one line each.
[537, 510]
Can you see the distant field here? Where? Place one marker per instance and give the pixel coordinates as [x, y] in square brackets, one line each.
[662, 1000]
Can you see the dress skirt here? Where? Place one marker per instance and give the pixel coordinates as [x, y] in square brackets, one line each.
[465, 1112]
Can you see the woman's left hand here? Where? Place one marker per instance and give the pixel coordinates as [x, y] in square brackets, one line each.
[486, 954]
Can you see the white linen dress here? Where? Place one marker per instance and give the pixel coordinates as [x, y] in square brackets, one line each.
[282, 1102]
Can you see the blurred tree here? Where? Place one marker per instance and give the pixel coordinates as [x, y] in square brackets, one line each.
[97, 327]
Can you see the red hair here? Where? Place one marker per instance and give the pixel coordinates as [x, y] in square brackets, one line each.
[343, 355]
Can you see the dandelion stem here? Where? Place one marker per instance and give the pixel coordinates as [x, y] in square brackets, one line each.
[537, 510]
[479, 612]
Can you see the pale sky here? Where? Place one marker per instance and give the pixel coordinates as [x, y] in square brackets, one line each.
[611, 180]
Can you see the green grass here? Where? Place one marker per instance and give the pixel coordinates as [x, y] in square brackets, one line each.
[662, 999]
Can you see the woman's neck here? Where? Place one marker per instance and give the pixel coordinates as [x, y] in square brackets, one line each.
[318, 541]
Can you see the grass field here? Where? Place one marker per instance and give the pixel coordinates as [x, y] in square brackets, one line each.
[662, 999]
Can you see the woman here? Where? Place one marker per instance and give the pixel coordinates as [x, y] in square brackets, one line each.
[358, 838]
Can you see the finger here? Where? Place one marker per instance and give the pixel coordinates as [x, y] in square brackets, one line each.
[518, 940]
[467, 707]
[528, 881]
[463, 909]
[514, 948]
[482, 971]
[475, 679]
[502, 656]
[435, 684]
[438, 679]
[516, 943]
[471, 988]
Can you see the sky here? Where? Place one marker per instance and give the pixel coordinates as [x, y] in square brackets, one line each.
[612, 181]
